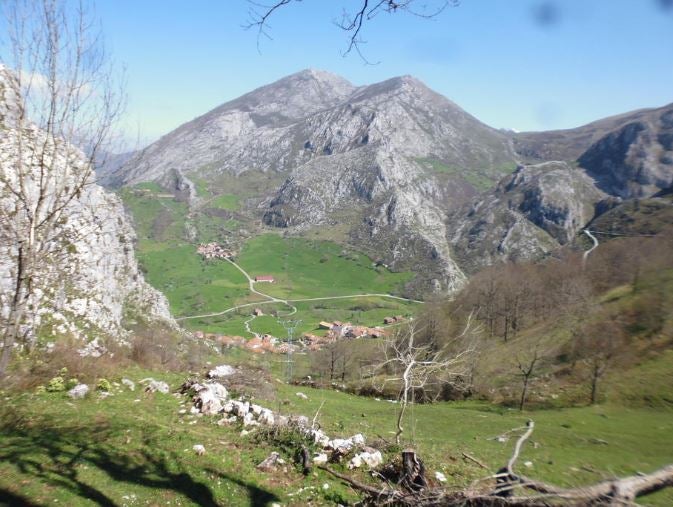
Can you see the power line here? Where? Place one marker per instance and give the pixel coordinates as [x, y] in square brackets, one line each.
[290, 326]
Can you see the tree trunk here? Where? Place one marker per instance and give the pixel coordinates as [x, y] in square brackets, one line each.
[524, 391]
[16, 311]
[403, 402]
[595, 375]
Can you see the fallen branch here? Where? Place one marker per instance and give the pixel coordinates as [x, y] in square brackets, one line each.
[370, 490]
[621, 492]
[530, 425]
[315, 417]
[474, 460]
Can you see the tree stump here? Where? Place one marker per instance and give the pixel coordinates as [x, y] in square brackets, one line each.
[413, 471]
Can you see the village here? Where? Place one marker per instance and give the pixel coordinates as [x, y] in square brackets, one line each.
[262, 343]
[215, 251]
[266, 343]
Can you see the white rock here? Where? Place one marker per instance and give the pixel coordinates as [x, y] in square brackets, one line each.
[320, 459]
[266, 417]
[223, 370]
[440, 476]
[209, 398]
[199, 449]
[156, 386]
[371, 459]
[302, 396]
[249, 420]
[79, 391]
[92, 349]
[528, 464]
[300, 420]
[129, 383]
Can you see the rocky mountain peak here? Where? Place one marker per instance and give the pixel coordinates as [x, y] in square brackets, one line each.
[290, 98]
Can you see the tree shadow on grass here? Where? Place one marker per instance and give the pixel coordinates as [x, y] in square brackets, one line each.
[54, 456]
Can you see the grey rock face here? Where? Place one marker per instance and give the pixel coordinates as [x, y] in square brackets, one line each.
[90, 278]
[635, 160]
[383, 160]
[531, 212]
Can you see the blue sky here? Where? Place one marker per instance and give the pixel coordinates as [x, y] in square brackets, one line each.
[521, 64]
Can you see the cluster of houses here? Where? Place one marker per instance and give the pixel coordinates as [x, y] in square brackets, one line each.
[258, 344]
[307, 342]
[214, 251]
[339, 331]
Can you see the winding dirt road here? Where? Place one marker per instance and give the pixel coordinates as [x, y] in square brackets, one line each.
[273, 300]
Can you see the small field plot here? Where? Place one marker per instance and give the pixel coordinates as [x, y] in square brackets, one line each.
[193, 285]
[304, 269]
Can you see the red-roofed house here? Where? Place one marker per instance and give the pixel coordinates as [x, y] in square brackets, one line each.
[264, 278]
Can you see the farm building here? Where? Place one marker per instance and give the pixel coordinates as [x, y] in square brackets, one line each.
[264, 278]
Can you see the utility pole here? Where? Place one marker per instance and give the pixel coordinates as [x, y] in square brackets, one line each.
[290, 326]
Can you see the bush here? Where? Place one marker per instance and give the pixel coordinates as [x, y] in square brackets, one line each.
[157, 348]
[56, 384]
[103, 385]
[71, 383]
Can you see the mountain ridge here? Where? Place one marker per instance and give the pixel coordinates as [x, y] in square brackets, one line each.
[393, 164]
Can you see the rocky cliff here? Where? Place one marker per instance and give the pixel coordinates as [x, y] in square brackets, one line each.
[531, 212]
[86, 281]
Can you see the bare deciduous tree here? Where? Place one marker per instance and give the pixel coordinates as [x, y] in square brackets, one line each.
[334, 360]
[598, 345]
[526, 363]
[413, 361]
[66, 97]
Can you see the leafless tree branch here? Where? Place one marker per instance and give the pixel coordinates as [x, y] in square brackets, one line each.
[351, 22]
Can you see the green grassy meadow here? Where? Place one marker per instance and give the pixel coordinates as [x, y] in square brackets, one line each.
[302, 269]
[119, 451]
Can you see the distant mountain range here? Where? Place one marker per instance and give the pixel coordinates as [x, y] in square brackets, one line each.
[404, 173]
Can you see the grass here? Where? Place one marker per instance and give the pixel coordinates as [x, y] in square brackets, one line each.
[572, 446]
[229, 202]
[305, 269]
[107, 452]
[110, 452]
[302, 268]
[480, 178]
[193, 285]
[155, 219]
[360, 311]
